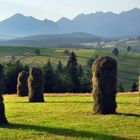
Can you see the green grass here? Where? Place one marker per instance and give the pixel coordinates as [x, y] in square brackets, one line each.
[70, 117]
[120, 44]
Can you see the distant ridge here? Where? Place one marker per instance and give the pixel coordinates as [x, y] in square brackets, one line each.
[56, 40]
[109, 24]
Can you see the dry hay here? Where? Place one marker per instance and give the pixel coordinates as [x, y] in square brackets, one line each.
[22, 86]
[35, 85]
[3, 119]
[104, 85]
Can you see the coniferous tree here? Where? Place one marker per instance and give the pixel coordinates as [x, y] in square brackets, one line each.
[134, 87]
[115, 52]
[72, 69]
[37, 52]
[2, 79]
[91, 61]
[80, 75]
[121, 88]
[129, 49]
[85, 81]
[59, 68]
[12, 71]
[26, 68]
[58, 88]
[80, 71]
[49, 79]
[66, 81]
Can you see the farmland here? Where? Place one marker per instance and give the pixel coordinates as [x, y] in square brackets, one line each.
[70, 117]
[128, 64]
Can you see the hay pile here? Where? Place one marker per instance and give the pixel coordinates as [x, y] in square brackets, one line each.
[35, 85]
[22, 86]
[3, 119]
[104, 85]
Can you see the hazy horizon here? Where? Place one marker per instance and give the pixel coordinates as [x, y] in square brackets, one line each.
[54, 10]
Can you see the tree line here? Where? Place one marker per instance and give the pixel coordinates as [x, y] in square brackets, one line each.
[71, 77]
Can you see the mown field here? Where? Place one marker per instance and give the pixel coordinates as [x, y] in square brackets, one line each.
[120, 44]
[128, 64]
[70, 118]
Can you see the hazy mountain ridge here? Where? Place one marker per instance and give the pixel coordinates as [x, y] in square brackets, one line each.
[56, 40]
[111, 25]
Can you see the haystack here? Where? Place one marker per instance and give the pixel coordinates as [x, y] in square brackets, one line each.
[3, 119]
[35, 85]
[22, 86]
[105, 85]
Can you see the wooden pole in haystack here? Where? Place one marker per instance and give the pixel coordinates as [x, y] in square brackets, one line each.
[104, 85]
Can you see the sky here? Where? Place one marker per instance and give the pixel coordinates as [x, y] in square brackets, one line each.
[55, 9]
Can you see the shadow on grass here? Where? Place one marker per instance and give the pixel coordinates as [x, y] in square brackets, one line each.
[64, 132]
[129, 114]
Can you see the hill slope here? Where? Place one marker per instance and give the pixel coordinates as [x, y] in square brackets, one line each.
[128, 65]
[56, 40]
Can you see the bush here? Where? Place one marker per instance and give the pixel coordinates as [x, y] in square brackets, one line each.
[104, 85]
[67, 52]
[35, 85]
[115, 52]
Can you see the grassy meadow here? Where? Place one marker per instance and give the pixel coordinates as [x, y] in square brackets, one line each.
[128, 63]
[70, 118]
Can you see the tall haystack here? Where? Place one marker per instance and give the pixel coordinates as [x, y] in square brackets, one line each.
[22, 86]
[35, 85]
[105, 85]
[3, 119]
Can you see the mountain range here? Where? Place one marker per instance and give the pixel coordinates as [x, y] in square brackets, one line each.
[109, 25]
